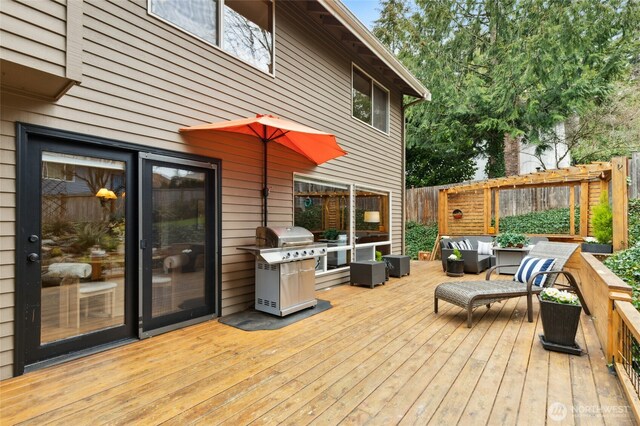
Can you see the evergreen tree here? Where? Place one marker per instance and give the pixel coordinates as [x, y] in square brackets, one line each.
[506, 68]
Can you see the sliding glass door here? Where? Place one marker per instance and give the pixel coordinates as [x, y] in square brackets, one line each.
[178, 241]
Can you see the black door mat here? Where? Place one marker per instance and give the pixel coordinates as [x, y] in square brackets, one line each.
[252, 320]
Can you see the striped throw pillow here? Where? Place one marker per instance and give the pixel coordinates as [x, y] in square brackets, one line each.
[468, 243]
[454, 245]
[529, 266]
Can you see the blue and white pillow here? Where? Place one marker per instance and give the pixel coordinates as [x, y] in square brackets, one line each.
[454, 245]
[469, 245]
[529, 266]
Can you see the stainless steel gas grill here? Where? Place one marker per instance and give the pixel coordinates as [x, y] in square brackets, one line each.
[285, 269]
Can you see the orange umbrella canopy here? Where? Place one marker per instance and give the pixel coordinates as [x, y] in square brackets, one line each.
[317, 146]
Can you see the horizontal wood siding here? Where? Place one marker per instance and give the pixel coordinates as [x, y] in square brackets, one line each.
[143, 79]
[33, 33]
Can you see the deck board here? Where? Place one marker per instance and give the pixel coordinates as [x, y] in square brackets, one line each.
[379, 356]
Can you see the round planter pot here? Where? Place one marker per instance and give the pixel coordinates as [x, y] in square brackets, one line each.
[455, 268]
[559, 322]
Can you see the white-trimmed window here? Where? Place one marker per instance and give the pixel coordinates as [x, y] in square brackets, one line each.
[58, 171]
[369, 100]
[331, 210]
[243, 28]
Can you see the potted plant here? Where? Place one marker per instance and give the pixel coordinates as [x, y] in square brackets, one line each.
[602, 223]
[455, 264]
[331, 234]
[512, 239]
[388, 267]
[560, 314]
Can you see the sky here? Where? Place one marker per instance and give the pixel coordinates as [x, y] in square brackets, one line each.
[365, 10]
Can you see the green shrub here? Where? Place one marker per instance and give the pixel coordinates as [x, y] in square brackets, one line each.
[419, 237]
[511, 239]
[626, 265]
[634, 222]
[553, 221]
[602, 220]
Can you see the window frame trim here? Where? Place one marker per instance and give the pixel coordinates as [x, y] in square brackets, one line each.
[219, 32]
[374, 82]
[352, 215]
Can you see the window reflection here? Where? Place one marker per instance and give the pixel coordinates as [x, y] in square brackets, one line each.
[178, 240]
[361, 96]
[83, 250]
[372, 216]
[198, 17]
[323, 209]
[248, 27]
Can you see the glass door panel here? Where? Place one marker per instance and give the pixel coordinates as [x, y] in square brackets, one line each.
[177, 241]
[82, 245]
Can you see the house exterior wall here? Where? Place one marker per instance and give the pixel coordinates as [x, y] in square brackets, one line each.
[142, 79]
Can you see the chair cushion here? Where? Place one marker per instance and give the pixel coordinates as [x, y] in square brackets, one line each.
[485, 248]
[529, 266]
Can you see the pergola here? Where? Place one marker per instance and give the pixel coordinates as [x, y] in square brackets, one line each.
[476, 203]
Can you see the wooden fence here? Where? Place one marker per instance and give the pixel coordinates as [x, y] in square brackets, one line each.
[422, 203]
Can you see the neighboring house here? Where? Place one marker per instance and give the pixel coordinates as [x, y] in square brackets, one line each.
[555, 157]
[97, 186]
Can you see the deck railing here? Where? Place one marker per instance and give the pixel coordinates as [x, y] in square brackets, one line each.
[616, 320]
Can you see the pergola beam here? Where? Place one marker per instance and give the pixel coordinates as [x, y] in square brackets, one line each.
[565, 176]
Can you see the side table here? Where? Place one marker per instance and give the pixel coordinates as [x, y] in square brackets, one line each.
[509, 256]
[400, 265]
[367, 272]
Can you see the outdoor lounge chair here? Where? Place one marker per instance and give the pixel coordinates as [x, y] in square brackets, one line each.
[471, 294]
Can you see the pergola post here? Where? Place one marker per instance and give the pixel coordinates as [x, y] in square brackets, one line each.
[486, 210]
[584, 209]
[572, 210]
[620, 206]
[496, 227]
[443, 197]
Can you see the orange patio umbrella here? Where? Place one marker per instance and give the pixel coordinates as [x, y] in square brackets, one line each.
[315, 145]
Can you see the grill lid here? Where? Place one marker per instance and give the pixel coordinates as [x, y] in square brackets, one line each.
[282, 236]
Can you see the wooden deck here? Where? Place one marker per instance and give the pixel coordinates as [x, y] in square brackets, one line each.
[378, 356]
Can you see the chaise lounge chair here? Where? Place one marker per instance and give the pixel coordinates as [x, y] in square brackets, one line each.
[471, 294]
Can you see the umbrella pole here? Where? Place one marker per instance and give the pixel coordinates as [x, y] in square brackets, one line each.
[265, 190]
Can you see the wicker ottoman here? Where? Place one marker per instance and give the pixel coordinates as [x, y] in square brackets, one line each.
[471, 294]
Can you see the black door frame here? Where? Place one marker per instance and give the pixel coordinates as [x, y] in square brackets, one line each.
[152, 326]
[24, 202]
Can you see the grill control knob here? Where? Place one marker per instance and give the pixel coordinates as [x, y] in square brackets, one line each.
[296, 254]
[284, 257]
[311, 252]
[304, 253]
[288, 255]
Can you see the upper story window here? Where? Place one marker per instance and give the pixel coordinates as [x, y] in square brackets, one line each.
[370, 101]
[243, 28]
